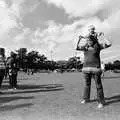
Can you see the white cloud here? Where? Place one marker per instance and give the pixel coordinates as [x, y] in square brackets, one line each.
[55, 37]
[61, 38]
[12, 31]
[85, 8]
[6, 21]
[104, 14]
[8, 17]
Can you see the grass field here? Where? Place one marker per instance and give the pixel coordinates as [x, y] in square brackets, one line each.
[56, 96]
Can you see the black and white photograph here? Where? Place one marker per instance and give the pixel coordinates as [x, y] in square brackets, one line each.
[59, 60]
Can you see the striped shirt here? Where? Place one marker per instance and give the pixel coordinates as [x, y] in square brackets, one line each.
[2, 63]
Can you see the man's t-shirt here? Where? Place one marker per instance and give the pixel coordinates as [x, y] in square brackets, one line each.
[92, 56]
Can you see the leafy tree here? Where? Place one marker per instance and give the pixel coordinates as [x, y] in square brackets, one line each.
[116, 64]
[74, 62]
[109, 66]
[22, 57]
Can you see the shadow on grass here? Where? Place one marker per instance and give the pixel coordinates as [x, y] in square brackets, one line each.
[111, 77]
[47, 86]
[109, 100]
[4, 100]
[35, 88]
[12, 107]
[113, 99]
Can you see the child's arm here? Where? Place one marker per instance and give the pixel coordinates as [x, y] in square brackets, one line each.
[106, 44]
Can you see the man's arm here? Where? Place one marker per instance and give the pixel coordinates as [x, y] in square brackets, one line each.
[82, 48]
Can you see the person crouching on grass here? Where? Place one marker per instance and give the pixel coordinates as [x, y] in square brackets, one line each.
[92, 64]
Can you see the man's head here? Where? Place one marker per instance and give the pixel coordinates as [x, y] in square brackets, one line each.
[91, 28]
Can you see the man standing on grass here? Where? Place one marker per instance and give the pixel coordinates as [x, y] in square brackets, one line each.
[92, 64]
[12, 71]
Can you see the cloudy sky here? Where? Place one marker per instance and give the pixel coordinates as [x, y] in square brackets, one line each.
[52, 27]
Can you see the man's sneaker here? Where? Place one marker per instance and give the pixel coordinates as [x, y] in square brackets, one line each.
[84, 101]
[100, 105]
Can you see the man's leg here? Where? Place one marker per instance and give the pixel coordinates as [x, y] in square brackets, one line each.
[10, 81]
[15, 81]
[99, 87]
[86, 95]
[1, 79]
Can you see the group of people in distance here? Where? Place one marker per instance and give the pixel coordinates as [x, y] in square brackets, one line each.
[92, 63]
[9, 67]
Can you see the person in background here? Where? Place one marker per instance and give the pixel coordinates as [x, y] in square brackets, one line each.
[2, 70]
[92, 64]
[12, 70]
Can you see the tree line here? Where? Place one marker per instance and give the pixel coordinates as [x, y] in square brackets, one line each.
[35, 60]
[113, 65]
